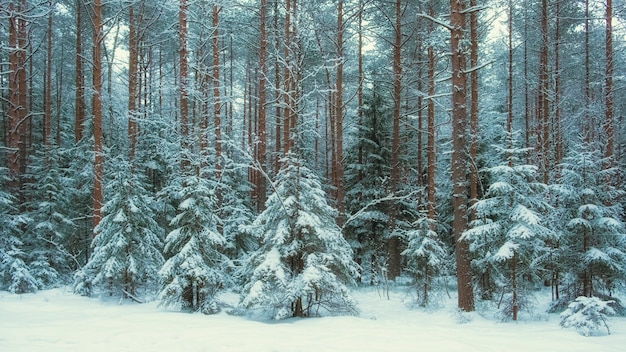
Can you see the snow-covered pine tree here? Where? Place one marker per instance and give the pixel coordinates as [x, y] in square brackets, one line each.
[367, 174]
[197, 268]
[47, 233]
[594, 241]
[508, 233]
[304, 263]
[235, 209]
[127, 245]
[15, 275]
[427, 256]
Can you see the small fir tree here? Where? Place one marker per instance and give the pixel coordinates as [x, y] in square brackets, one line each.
[15, 275]
[304, 263]
[587, 315]
[594, 243]
[127, 245]
[367, 174]
[427, 255]
[508, 233]
[46, 236]
[197, 268]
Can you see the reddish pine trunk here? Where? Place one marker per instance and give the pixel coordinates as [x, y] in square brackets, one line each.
[543, 100]
[430, 162]
[473, 150]
[393, 244]
[79, 115]
[459, 160]
[608, 85]
[97, 111]
[47, 125]
[339, 113]
[184, 95]
[261, 185]
[17, 114]
[216, 86]
[132, 83]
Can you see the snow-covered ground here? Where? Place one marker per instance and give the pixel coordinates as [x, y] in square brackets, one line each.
[57, 320]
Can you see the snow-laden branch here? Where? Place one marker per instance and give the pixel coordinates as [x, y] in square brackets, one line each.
[439, 22]
[476, 68]
[375, 202]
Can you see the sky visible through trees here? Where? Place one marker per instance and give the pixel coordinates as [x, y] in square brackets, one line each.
[290, 150]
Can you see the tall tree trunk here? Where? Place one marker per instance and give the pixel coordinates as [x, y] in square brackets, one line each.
[287, 103]
[543, 108]
[96, 101]
[509, 102]
[17, 114]
[393, 244]
[183, 82]
[277, 97]
[473, 149]
[430, 148]
[459, 158]
[261, 186]
[360, 83]
[216, 87]
[132, 83]
[608, 84]
[589, 125]
[339, 112]
[47, 116]
[558, 133]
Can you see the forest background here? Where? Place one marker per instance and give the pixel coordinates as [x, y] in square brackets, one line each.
[165, 146]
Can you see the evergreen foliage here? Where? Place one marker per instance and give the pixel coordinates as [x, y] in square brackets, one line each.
[367, 177]
[303, 264]
[15, 275]
[587, 315]
[197, 268]
[46, 237]
[427, 256]
[127, 244]
[593, 243]
[509, 232]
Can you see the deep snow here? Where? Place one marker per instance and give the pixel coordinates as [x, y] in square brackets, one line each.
[57, 320]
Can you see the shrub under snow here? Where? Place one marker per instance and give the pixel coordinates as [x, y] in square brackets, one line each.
[587, 315]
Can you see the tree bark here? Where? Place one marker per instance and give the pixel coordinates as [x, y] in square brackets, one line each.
[96, 102]
[183, 81]
[393, 245]
[459, 157]
[339, 113]
[216, 87]
[608, 85]
[543, 101]
[47, 125]
[17, 114]
[473, 149]
[132, 83]
[430, 143]
[262, 159]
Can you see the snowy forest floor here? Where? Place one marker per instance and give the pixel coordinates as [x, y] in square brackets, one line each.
[57, 320]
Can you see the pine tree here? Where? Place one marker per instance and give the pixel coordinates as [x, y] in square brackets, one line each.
[367, 174]
[593, 242]
[304, 263]
[235, 210]
[127, 247]
[46, 237]
[15, 275]
[427, 256]
[508, 233]
[197, 268]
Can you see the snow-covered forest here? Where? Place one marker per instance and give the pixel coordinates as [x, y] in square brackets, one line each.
[289, 152]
